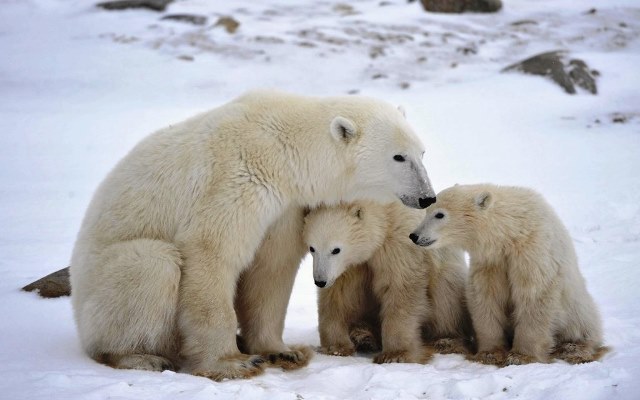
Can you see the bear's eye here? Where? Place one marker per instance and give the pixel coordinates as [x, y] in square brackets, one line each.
[398, 158]
[439, 215]
[335, 251]
[311, 249]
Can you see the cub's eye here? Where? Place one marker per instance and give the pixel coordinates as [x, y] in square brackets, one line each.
[335, 251]
[311, 249]
[398, 158]
[439, 215]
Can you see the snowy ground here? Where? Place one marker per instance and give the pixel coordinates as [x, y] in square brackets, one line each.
[80, 86]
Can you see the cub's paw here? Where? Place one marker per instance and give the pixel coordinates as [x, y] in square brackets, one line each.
[450, 346]
[399, 356]
[297, 357]
[240, 366]
[514, 358]
[495, 357]
[338, 350]
[578, 353]
[364, 340]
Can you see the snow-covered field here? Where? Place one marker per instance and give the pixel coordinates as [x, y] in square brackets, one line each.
[79, 86]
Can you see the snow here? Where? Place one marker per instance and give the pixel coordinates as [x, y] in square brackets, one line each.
[80, 86]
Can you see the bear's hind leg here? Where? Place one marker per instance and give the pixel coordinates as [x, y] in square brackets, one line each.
[145, 362]
[126, 312]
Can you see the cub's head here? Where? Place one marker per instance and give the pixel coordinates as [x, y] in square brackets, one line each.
[341, 236]
[383, 153]
[454, 217]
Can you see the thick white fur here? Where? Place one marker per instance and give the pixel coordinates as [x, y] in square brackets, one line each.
[180, 221]
[381, 280]
[525, 286]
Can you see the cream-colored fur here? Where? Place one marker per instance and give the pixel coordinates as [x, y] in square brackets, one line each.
[211, 207]
[525, 289]
[374, 279]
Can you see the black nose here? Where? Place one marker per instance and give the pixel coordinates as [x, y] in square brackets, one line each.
[426, 201]
[413, 237]
[320, 283]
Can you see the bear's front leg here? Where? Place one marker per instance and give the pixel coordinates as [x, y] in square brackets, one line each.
[264, 290]
[207, 320]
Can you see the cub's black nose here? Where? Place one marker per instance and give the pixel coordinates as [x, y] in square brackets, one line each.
[413, 237]
[320, 283]
[426, 201]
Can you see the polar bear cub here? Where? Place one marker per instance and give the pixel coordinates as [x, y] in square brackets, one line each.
[375, 283]
[175, 250]
[525, 290]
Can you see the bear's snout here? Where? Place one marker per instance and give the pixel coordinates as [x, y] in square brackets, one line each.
[426, 201]
[320, 283]
[414, 238]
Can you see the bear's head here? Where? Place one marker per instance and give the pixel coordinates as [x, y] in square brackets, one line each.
[383, 156]
[341, 236]
[454, 217]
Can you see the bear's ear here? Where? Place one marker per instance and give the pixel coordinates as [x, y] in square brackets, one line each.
[358, 213]
[402, 111]
[343, 129]
[484, 200]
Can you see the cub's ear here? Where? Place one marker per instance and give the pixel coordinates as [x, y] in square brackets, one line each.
[343, 129]
[355, 210]
[484, 200]
[402, 111]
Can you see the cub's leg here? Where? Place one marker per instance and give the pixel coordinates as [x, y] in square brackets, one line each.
[536, 298]
[403, 305]
[341, 306]
[126, 304]
[449, 327]
[488, 298]
[264, 291]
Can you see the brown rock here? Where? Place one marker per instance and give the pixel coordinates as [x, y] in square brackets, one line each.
[53, 285]
[228, 23]
[554, 65]
[155, 5]
[458, 6]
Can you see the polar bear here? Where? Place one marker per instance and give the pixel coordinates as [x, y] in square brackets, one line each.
[375, 283]
[525, 289]
[195, 212]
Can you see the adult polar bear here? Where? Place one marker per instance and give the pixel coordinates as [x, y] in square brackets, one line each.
[172, 228]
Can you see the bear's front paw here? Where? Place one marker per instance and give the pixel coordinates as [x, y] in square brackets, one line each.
[496, 357]
[342, 350]
[297, 357]
[240, 366]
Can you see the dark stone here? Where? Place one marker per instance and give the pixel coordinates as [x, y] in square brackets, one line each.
[188, 18]
[458, 6]
[230, 24]
[554, 65]
[155, 5]
[53, 285]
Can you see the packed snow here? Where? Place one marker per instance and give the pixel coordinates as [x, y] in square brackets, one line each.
[80, 86]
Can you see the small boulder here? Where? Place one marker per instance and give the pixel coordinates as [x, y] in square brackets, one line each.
[155, 5]
[459, 6]
[53, 285]
[567, 73]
